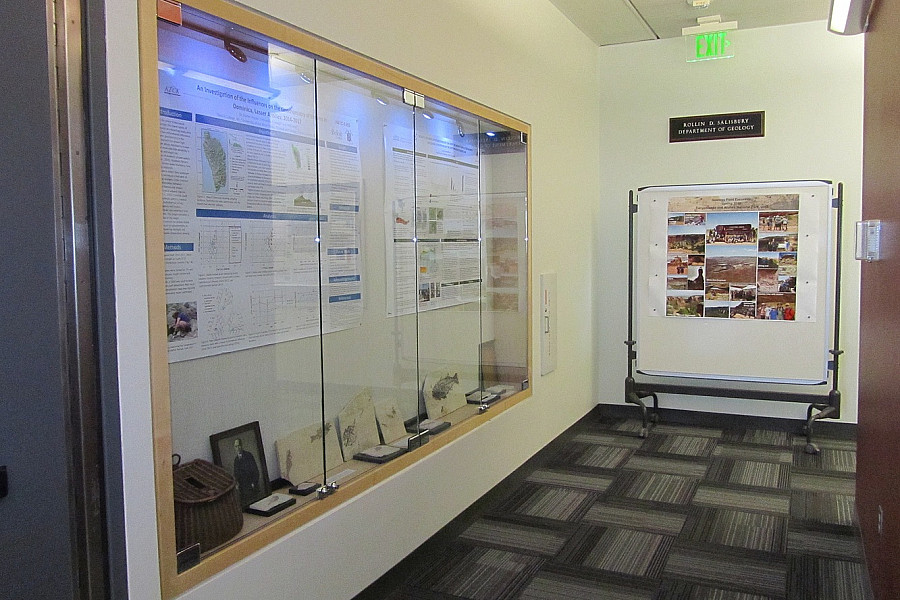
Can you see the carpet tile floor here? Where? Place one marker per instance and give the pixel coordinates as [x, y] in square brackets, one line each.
[689, 513]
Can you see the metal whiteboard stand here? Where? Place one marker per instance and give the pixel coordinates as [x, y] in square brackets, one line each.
[820, 406]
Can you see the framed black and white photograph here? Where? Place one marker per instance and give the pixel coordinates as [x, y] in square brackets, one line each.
[240, 452]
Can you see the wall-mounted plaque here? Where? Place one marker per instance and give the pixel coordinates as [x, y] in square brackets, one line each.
[717, 127]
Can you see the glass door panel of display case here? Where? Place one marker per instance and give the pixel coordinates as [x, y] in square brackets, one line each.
[240, 212]
[339, 262]
[366, 173]
[448, 279]
[504, 209]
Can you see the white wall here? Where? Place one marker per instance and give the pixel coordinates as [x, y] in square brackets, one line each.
[808, 82]
[520, 57]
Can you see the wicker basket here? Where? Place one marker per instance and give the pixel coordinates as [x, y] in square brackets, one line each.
[207, 507]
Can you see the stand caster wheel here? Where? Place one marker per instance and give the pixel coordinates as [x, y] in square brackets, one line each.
[811, 448]
[654, 418]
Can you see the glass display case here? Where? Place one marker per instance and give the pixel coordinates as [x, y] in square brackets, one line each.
[338, 272]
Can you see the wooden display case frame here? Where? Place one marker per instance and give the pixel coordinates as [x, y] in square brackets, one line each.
[174, 583]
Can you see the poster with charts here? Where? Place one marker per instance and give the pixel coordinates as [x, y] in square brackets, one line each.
[252, 202]
[431, 220]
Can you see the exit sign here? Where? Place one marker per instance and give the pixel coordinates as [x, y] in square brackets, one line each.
[709, 46]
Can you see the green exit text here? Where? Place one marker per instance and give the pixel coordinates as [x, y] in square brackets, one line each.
[709, 46]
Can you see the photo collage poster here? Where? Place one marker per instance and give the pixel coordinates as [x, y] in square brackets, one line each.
[733, 257]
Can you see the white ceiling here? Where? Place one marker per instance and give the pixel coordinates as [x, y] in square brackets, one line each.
[621, 21]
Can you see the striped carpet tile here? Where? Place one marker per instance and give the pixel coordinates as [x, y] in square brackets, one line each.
[687, 430]
[820, 543]
[512, 536]
[684, 445]
[597, 483]
[664, 522]
[608, 439]
[815, 578]
[759, 436]
[808, 482]
[825, 443]
[603, 457]
[621, 551]
[828, 459]
[832, 509]
[750, 472]
[757, 453]
[628, 426]
[480, 574]
[737, 572]
[555, 503]
[552, 586]
[742, 499]
[738, 529]
[654, 487]
[671, 466]
[681, 590]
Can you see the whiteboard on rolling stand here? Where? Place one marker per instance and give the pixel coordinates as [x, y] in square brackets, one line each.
[734, 281]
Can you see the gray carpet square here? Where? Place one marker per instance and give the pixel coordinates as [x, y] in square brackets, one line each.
[559, 504]
[597, 483]
[828, 459]
[759, 436]
[820, 543]
[742, 499]
[515, 537]
[832, 509]
[758, 453]
[683, 445]
[479, 573]
[827, 443]
[814, 578]
[603, 457]
[750, 473]
[687, 430]
[807, 482]
[620, 551]
[553, 586]
[608, 439]
[671, 466]
[738, 529]
[633, 426]
[654, 487]
[730, 572]
[682, 590]
[665, 522]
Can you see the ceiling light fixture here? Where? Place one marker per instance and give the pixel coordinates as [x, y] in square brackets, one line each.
[849, 17]
[699, 4]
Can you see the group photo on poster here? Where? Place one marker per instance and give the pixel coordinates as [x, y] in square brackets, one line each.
[732, 258]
